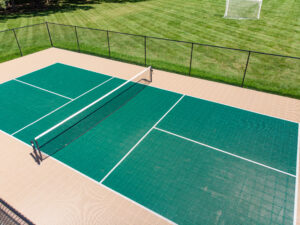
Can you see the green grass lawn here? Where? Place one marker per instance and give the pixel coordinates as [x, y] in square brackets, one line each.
[278, 31]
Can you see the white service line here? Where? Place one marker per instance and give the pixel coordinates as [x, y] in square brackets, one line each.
[43, 89]
[61, 107]
[124, 157]
[96, 182]
[297, 179]
[228, 153]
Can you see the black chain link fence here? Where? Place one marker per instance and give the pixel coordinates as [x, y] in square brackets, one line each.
[256, 70]
[10, 216]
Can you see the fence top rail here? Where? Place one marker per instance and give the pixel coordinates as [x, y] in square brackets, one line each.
[159, 38]
[1, 31]
[31, 25]
[16, 28]
[90, 28]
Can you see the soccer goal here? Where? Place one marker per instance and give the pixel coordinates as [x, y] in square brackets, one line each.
[243, 9]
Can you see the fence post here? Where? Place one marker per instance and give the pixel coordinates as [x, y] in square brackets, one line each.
[17, 42]
[50, 38]
[191, 60]
[108, 44]
[78, 47]
[145, 44]
[245, 72]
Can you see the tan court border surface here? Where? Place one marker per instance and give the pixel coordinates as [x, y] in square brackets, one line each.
[55, 194]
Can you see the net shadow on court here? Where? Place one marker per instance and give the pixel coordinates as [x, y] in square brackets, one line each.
[88, 119]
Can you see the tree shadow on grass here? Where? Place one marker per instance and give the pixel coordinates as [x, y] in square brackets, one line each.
[28, 9]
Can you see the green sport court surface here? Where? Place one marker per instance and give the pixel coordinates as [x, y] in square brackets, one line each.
[189, 160]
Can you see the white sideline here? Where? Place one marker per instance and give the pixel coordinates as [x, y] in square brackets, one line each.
[98, 100]
[61, 106]
[103, 179]
[43, 89]
[228, 153]
[297, 179]
[96, 182]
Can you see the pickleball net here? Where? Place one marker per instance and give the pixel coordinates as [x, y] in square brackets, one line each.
[66, 131]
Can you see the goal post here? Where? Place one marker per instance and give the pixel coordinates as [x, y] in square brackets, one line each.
[243, 9]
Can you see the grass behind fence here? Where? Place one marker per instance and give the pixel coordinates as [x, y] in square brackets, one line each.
[169, 55]
[127, 48]
[33, 39]
[265, 72]
[274, 74]
[63, 37]
[219, 64]
[93, 42]
[8, 46]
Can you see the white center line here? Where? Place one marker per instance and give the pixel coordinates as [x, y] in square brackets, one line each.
[43, 89]
[124, 157]
[61, 106]
[228, 153]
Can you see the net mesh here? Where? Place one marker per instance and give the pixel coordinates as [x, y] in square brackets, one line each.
[71, 128]
[243, 9]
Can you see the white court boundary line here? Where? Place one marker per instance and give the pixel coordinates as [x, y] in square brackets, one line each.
[96, 182]
[145, 135]
[297, 179]
[43, 89]
[228, 153]
[62, 106]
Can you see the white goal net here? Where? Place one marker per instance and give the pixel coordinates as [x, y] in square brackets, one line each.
[243, 9]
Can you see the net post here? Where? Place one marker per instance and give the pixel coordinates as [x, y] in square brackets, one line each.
[78, 47]
[32, 145]
[191, 59]
[245, 71]
[38, 148]
[37, 155]
[108, 44]
[50, 38]
[151, 73]
[17, 42]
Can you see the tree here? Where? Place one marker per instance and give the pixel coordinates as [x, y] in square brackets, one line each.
[3, 4]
